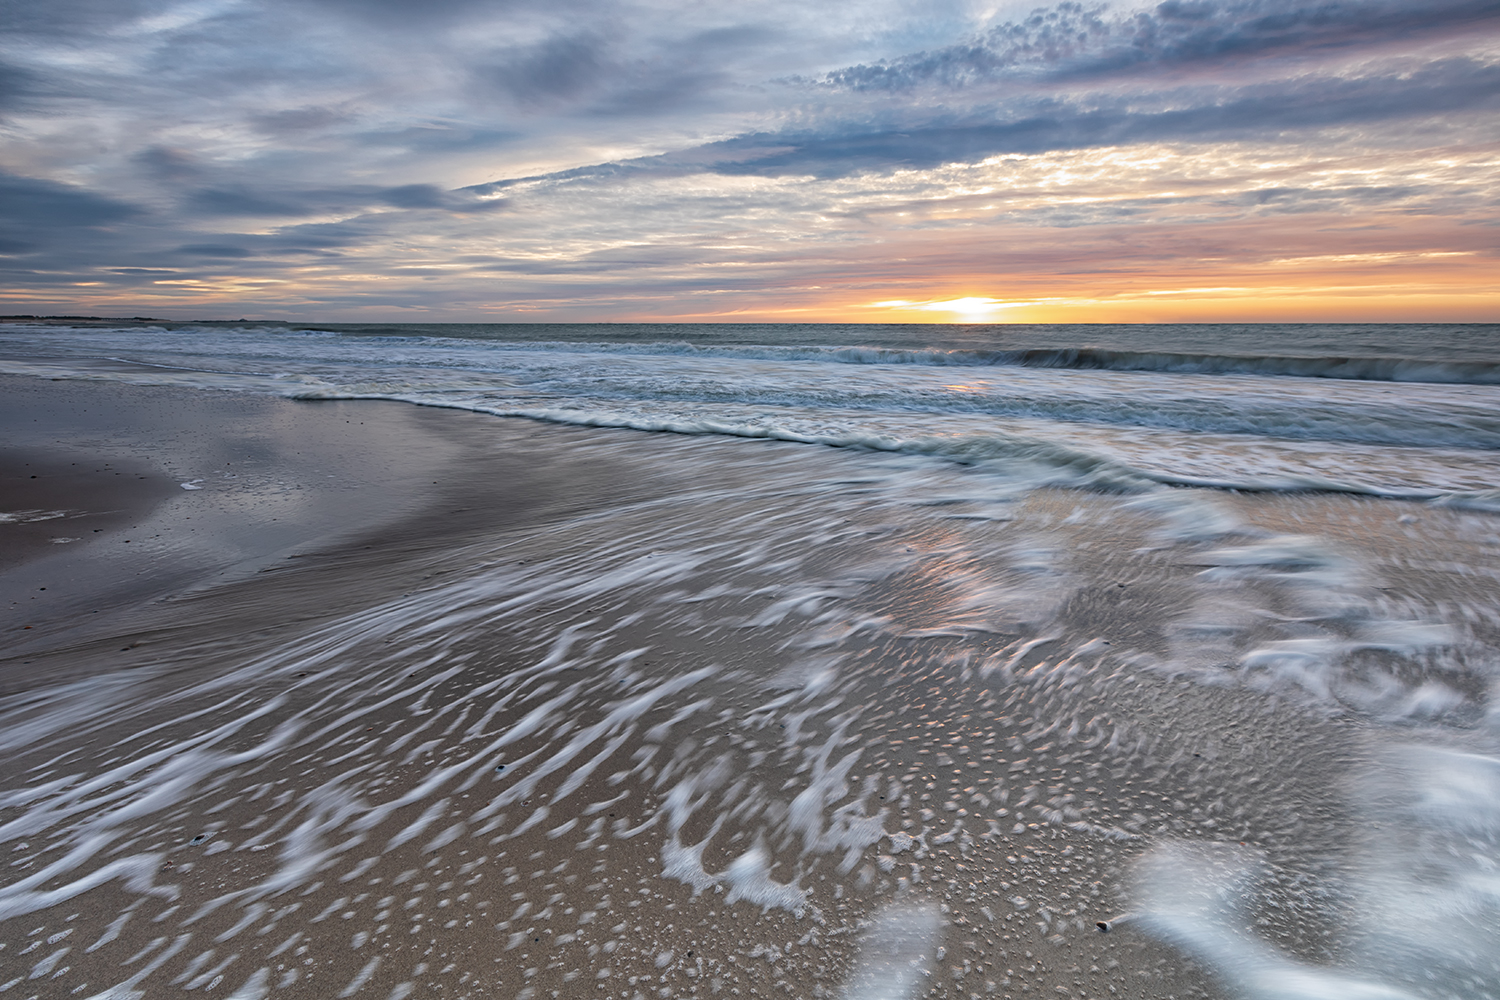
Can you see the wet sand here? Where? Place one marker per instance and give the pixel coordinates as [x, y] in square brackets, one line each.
[108, 542]
[563, 712]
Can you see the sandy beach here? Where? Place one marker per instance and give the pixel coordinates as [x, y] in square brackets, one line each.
[417, 702]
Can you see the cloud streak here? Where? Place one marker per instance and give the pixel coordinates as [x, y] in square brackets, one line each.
[1072, 41]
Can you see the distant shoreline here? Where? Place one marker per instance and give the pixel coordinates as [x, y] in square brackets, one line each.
[29, 318]
[25, 318]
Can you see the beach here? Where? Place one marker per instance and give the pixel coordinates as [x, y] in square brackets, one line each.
[405, 700]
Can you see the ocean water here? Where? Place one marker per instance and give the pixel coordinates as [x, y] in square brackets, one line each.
[1398, 410]
[943, 647]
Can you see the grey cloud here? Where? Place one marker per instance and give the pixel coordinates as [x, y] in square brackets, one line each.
[1263, 112]
[291, 202]
[168, 164]
[15, 83]
[626, 259]
[243, 202]
[434, 139]
[322, 235]
[429, 14]
[733, 37]
[414, 196]
[1070, 40]
[583, 71]
[670, 163]
[417, 196]
[557, 69]
[292, 121]
[68, 17]
[137, 277]
[34, 212]
[658, 92]
[223, 250]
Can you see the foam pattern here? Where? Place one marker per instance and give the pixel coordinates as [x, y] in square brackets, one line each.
[821, 707]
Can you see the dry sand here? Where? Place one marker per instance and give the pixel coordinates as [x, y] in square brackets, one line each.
[555, 712]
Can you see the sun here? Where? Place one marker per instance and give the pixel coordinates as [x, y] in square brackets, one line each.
[969, 309]
[973, 309]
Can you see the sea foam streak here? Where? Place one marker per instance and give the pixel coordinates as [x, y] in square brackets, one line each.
[1425, 900]
[790, 711]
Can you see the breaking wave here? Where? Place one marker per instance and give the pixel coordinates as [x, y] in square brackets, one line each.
[1365, 369]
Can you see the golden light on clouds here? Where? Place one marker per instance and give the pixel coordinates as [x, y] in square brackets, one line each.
[1177, 232]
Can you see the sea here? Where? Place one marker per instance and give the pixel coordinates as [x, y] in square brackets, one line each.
[1387, 409]
[957, 661]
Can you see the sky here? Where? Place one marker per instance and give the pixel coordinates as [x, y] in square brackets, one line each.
[751, 160]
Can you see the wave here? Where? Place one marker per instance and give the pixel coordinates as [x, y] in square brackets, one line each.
[659, 340]
[1373, 369]
[1022, 460]
[1363, 369]
[1091, 431]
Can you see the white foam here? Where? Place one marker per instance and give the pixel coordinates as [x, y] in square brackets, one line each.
[361, 977]
[257, 987]
[1187, 516]
[749, 878]
[895, 953]
[1427, 919]
[685, 864]
[28, 516]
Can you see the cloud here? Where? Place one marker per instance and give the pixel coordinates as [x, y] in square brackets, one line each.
[212, 250]
[245, 202]
[405, 15]
[414, 196]
[557, 69]
[439, 140]
[292, 202]
[1071, 41]
[168, 164]
[32, 210]
[15, 84]
[1266, 112]
[55, 228]
[293, 121]
[417, 196]
[69, 17]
